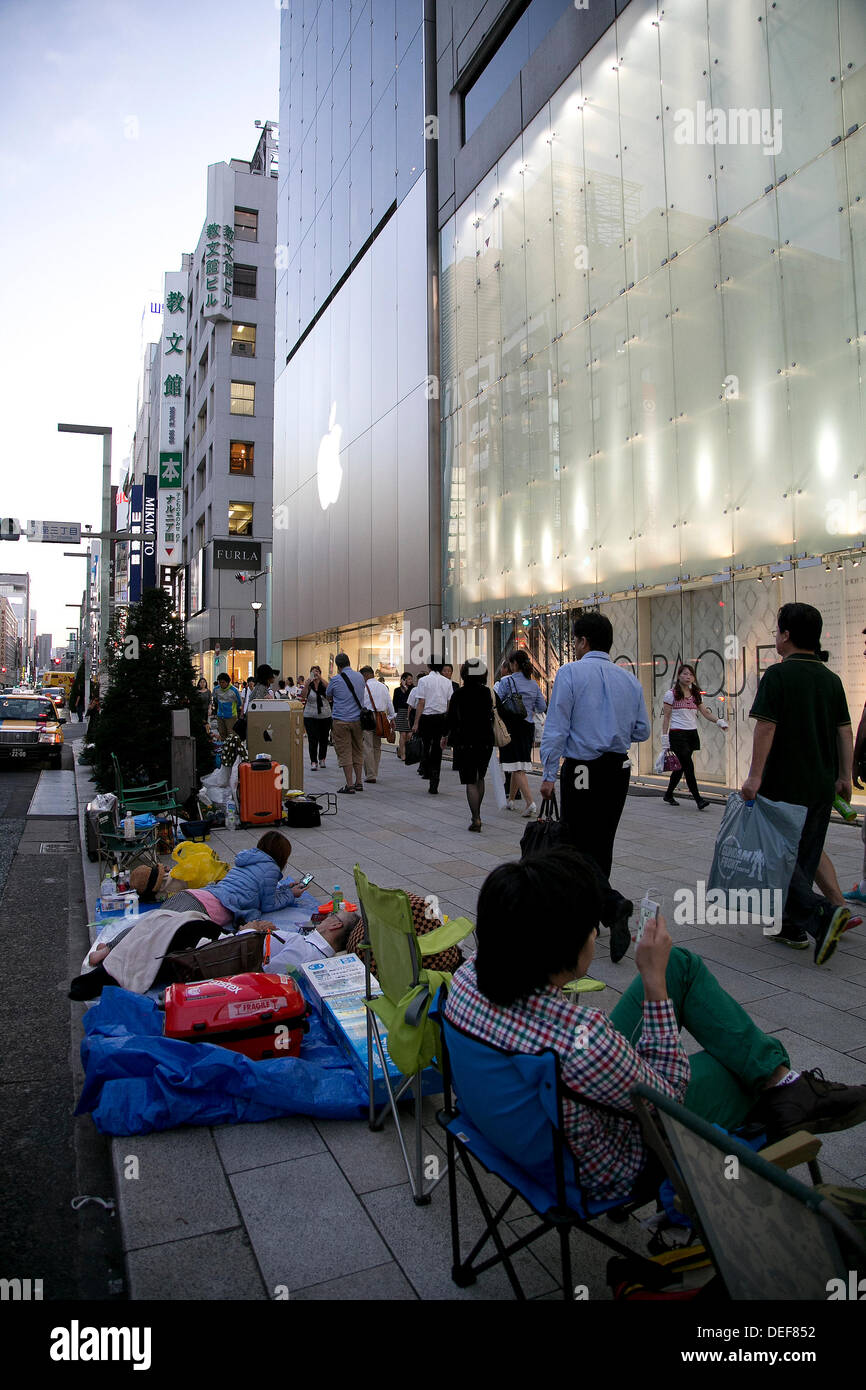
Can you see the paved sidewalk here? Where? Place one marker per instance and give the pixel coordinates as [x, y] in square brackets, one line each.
[323, 1210]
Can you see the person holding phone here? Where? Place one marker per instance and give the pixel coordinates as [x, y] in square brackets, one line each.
[513, 998]
[682, 705]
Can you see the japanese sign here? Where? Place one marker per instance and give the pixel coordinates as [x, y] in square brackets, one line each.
[54, 532]
[136, 511]
[148, 561]
[171, 420]
[217, 261]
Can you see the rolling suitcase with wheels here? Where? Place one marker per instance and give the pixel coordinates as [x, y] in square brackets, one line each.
[260, 793]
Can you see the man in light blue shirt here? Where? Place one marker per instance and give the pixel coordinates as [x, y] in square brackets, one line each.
[596, 712]
[346, 691]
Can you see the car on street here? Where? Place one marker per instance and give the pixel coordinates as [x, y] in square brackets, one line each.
[30, 729]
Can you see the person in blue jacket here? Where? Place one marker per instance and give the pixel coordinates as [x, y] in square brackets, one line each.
[253, 887]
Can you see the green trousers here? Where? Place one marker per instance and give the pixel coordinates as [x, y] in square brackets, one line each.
[727, 1076]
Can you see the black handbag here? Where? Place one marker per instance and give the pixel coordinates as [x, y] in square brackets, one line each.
[368, 718]
[513, 701]
[414, 750]
[543, 834]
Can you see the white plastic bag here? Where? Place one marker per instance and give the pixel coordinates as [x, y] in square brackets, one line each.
[496, 777]
[218, 778]
[659, 764]
[233, 781]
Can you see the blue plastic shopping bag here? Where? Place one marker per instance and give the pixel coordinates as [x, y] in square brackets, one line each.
[754, 857]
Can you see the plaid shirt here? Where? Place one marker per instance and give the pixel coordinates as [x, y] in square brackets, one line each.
[595, 1060]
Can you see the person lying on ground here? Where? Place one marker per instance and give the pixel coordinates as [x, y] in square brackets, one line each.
[512, 997]
[315, 941]
[253, 886]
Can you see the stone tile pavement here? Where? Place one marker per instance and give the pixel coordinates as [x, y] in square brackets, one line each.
[319, 1210]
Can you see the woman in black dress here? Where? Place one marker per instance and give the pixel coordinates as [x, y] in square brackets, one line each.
[469, 730]
[405, 717]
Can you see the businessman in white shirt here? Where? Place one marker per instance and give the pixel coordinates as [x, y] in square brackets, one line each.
[434, 694]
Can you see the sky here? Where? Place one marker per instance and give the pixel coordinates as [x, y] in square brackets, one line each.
[110, 113]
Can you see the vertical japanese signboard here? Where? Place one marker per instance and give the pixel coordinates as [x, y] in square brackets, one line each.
[148, 545]
[136, 516]
[217, 262]
[171, 420]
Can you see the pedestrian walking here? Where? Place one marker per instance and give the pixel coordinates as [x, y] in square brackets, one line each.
[317, 717]
[434, 695]
[469, 731]
[404, 717]
[247, 694]
[519, 699]
[597, 711]
[682, 705]
[227, 704]
[802, 751]
[377, 699]
[345, 690]
[92, 710]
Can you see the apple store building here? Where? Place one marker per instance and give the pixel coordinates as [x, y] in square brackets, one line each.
[356, 447]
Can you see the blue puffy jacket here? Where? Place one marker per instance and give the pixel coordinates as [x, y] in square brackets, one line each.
[253, 886]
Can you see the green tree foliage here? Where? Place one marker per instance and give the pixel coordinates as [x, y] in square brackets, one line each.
[150, 672]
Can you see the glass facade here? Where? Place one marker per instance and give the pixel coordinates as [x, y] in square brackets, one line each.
[652, 331]
[651, 355]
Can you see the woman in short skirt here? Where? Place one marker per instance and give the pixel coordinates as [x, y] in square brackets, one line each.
[518, 688]
[469, 730]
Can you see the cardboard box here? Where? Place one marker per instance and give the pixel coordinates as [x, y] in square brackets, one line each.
[336, 988]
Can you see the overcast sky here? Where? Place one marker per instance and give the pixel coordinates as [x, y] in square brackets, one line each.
[109, 116]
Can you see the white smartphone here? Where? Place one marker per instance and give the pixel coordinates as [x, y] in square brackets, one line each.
[648, 912]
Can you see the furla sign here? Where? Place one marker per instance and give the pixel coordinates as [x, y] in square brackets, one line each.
[237, 554]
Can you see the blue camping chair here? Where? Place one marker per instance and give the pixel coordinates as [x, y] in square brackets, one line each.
[509, 1119]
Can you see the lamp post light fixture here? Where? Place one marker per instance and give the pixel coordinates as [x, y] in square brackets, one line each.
[256, 607]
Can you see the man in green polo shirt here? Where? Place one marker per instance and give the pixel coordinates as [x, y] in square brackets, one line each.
[801, 753]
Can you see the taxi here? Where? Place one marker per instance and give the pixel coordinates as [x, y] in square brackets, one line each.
[30, 729]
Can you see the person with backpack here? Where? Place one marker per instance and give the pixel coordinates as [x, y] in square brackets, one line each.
[227, 704]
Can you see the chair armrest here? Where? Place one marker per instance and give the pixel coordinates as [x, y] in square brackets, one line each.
[585, 985]
[793, 1150]
[447, 935]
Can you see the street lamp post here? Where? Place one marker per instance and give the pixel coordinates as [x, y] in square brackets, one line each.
[256, 607]
[105, 431]
[85, 619]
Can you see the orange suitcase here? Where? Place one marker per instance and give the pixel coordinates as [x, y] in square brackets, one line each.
[260, 793]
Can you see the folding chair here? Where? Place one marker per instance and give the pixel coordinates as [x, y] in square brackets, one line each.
[389, 934]
[769, 1236]
[509, 1119]
[113, 846]
[155, 797]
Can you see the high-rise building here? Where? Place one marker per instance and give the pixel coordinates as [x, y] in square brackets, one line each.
[43, 652]
[653, 280]
[200, 471]
[356, 453]
[16, 589]
[8, 642]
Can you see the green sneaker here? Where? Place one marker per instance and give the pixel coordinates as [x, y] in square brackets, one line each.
[829, 937]
[797, 942]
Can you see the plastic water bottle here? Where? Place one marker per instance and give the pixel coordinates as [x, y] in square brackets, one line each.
[129, 826]
[232, 821]
[337, 899]
[845, 811]
[106, 887]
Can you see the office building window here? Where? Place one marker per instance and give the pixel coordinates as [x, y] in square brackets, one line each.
[245, 282]
[246, 224]
[243, 340]
[241, 457]
[243, 401]
[201, 425]
[240, 518]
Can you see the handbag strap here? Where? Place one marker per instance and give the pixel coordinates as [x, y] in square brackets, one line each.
[550, 809]
[353, 690]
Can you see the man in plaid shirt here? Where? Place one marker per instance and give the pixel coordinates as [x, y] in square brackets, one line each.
[533, 938]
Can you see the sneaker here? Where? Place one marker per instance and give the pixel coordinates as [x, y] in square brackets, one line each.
[509, 805]
[811, 1103]
[669, 800]
[322, 766]
[531, 810]
[798, 941]
[702, 804]
[828, 937]
[314, 767]
[855, 896]
[620, 936]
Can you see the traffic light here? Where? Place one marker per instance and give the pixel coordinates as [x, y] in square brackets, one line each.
[56, 660]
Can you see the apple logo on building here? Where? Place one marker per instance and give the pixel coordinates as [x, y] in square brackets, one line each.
[328, 466]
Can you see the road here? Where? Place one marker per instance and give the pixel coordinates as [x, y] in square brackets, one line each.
[47, 1157]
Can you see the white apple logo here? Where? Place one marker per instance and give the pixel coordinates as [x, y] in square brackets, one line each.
[328, 466]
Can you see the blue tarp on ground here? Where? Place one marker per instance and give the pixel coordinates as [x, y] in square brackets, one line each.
[137, 1081]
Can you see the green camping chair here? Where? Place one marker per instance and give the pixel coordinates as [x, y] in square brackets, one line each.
[408, 989]
[114, 848]
[156, 797]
